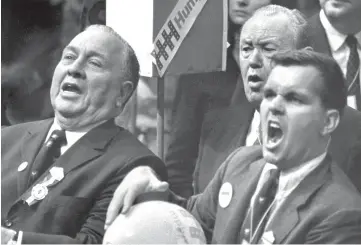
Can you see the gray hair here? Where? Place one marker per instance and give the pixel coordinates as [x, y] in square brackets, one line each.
[297, 22]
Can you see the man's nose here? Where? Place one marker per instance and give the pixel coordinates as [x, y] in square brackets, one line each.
[242, 3]
[255, 59]
[76, 69]
[277, 106]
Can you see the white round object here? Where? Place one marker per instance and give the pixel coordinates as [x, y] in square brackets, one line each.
[225, 195]
[22, 166]
[155, 222]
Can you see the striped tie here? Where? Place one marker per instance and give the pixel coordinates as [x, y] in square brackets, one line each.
[353, 71]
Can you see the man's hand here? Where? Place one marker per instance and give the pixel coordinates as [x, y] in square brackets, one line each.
[6, 235]
[138, 181]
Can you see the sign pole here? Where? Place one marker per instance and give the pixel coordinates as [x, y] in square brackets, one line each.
[160, 117]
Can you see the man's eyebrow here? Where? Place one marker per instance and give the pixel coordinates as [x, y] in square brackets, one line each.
[71, 48]
[246, 41]
[90, 53]
[272, 40]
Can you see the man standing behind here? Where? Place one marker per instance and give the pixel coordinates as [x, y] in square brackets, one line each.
[58, 175]
[336, 31]
[289, 190]
[272, 29]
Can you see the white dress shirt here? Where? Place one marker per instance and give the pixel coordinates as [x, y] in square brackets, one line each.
[339, 48]
[288, 182]
[253, 131]
[71, 136]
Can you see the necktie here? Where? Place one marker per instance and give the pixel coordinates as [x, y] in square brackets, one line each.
[256, 217]
[353, 71]
[48, 154]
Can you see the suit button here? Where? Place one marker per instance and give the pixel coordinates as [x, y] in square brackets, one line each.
[34, 173]
[8, 223]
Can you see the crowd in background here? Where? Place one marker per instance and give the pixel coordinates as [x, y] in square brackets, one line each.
[266, 151]
[33, 35]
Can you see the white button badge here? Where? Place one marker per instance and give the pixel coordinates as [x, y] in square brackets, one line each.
[225, 195]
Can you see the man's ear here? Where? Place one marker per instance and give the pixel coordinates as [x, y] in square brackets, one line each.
[331, 121]
[125, 93]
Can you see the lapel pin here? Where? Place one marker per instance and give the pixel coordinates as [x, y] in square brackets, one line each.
[57, 173]
[225, 195]
[268, 237]
[22, 166]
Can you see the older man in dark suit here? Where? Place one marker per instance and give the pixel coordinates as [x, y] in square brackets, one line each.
[289, 190]
[58, 175]
[238, 125]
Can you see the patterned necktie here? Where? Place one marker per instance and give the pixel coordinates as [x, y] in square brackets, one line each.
[48, 154]
[353, 71]
[257, 216]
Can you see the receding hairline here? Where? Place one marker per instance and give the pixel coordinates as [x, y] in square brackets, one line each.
[254, 20]
[294, 20]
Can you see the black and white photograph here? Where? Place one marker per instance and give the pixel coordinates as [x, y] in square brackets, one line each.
[180, 122]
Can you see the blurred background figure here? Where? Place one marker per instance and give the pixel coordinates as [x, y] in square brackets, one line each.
[30, 32]
[35, 31]
[336, 31]
[155, 222]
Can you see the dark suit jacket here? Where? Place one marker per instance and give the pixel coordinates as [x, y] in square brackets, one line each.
[222, 133]
[348, 134]
[74, 210]
[317, 35]
[231, 130]
[324, 208]
[197, 95]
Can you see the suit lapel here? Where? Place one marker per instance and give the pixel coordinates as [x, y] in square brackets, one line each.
[243, 197]
[30, 148]
[90, 146]
[318, 36]
[287, 218]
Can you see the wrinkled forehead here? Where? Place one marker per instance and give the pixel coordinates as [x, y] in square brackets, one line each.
[96, 40]
[263, 26]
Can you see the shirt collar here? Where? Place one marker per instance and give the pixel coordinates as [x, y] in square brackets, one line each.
[291, 179]
[71, 136]
[335, 38]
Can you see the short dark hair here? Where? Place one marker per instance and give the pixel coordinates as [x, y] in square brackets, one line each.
[130, 65]
[333, 89]
[296, 20]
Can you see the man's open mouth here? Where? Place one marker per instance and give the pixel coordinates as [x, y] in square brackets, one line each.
[255, 82]
[274, 133]
[71, 87]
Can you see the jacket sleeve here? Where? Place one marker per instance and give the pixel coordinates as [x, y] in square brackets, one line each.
[355, 161]
[342, 227]
[204, 206]
[92, 230]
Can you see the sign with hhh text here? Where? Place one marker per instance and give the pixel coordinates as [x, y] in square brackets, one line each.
[174, 30]
[173, 37]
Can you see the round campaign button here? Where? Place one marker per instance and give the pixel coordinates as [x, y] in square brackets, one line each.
[22, 166]
[225, 195]
[39, 192]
